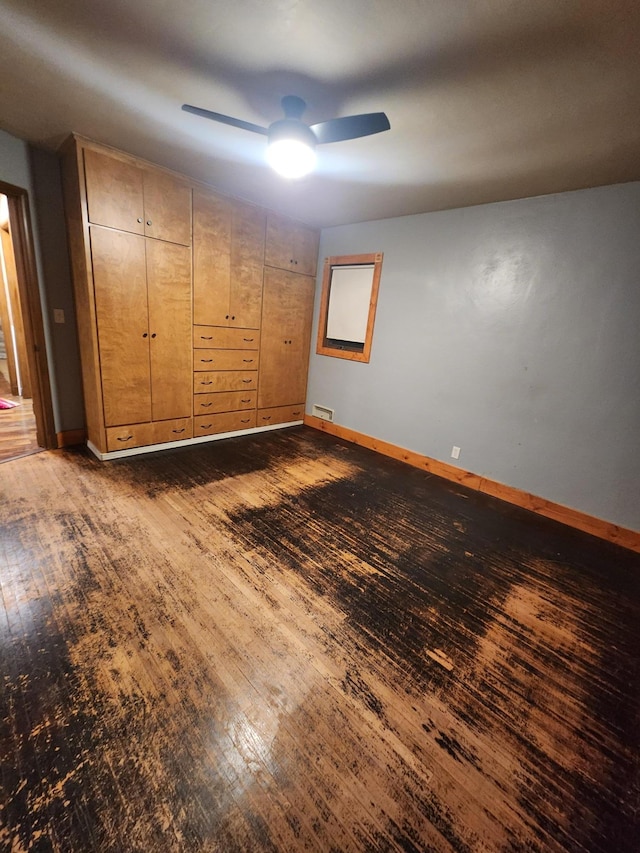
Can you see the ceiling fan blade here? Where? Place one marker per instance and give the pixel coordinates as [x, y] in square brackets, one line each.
[234, 122]
[350, 127]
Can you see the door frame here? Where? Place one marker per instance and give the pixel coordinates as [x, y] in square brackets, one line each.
[31, 307]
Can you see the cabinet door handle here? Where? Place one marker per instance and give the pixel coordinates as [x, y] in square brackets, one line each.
[145, 334]
[178, 430]
[207, 383]
[153, 335]
[247, 381]
[148, 222]
[206, 338]
[206, 405]
[233, 317]
[140, 220]
[128, 438]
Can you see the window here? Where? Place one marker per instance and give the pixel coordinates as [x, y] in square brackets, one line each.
[348, 308]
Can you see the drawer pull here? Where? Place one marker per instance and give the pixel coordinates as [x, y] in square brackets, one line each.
[248, 400]
[207, 383]
[247, 381]
[177, 431]
[206, 360]
[128, 438]
[206, 405]
[247, 360]
[248, 340]
[266, 417]
[206, 426]
[245, 421]
[296, 413]
[206, 337]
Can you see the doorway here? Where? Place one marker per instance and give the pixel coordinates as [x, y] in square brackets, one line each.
[26, 413]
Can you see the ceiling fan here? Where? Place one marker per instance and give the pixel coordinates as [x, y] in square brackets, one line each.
[292, 143]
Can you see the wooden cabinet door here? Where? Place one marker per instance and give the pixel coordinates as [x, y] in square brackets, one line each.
[119, 278]
[247, 259]
[167, 207]
[169, 296]
[287, 311]
[211, 258]
[114, 192]
[291, 245]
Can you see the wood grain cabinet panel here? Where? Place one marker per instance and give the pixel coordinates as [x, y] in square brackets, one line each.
[280, 415]
[228, 245]
[142, 200]
[221, 359]
[169, 299]
[225, 380]
[176, 429]
[120, 287]
[224, 401]
[286, 335]
[226, 422]
[291, 245]
[215, 337]
[126, 437]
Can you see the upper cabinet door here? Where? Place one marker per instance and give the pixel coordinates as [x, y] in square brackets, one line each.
[120, 286]
[167, 208]
[114, 192]
[138, 199]
[212, 216]
[247, 259]
[291, 245]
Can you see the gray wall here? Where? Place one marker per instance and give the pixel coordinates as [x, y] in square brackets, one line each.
[513, 331]
[48, 209]
[39, 173]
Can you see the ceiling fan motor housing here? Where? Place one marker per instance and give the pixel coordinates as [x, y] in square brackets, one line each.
[292, 128]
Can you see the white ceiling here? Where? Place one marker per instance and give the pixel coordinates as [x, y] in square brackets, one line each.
[487, 99]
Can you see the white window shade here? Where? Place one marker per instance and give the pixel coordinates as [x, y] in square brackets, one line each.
[348, 310]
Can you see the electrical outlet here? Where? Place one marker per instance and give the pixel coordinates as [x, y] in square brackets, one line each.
[455, 452]
[58, 315]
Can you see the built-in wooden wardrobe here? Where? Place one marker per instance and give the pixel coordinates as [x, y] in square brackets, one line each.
[194, 309]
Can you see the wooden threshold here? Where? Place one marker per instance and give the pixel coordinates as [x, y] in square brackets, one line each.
[566, 515]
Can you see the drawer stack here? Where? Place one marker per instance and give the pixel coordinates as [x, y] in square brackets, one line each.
[225, 379]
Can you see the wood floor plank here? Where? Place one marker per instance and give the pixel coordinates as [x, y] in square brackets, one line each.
[284, 642]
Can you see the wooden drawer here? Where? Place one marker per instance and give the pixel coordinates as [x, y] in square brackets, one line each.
[225, 380]
[124, 437]
[224, 401]
[225, 422]
[173, 430]
[217, 337]
[280, 415]
[224, 359]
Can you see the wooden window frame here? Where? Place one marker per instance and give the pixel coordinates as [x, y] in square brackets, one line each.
[323, 346]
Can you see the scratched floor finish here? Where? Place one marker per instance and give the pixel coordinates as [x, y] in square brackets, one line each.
[286, 643]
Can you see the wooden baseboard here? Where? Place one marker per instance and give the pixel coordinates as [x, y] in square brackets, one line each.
[572, 517]
[70, 437]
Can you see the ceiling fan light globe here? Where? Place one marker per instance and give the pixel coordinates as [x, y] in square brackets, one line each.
[291, 158]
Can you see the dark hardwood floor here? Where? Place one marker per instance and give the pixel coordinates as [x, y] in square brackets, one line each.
[283, 642]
